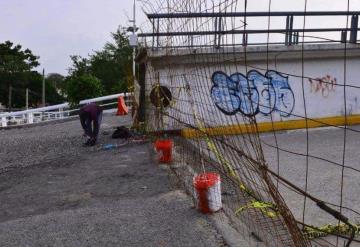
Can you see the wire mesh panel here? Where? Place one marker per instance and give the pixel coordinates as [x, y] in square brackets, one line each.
[231, 79]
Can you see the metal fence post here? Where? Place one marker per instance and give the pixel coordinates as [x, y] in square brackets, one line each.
[3, 122]
[30, 118]
[219, 35]
[215, 27]
[343, 36]
[354, 29]
[61, 111]
[245, 39]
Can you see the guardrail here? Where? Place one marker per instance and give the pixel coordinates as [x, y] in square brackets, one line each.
[213, 24]
[55, 112]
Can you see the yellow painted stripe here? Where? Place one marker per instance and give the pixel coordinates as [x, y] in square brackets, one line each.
[268, 126]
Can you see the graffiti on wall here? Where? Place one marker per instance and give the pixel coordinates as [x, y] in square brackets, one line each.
[252, 94]
[325, 85]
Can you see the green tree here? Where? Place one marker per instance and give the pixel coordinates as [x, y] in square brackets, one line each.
[15, 68]
[56, 80]
[82, 87]
[34, 84]
[16, 72]
[112, 65]
[14, 59]
[80, 66]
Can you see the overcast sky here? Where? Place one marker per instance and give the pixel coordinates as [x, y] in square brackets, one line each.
[56, 29]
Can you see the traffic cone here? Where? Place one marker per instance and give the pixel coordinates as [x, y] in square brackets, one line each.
[122, 108]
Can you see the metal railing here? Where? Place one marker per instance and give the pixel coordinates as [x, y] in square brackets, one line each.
[55, 112]
[218, 30]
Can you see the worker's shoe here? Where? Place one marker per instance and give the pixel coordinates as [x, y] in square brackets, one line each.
[87, 143]
[92, 142]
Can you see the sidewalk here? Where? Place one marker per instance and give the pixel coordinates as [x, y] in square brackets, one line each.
[58, 193]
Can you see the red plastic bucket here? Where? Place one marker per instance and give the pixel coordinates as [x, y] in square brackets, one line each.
[208, 192]
[164, 148]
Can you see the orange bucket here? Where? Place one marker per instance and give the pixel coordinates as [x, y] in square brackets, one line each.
[164, 148]
[208, 192]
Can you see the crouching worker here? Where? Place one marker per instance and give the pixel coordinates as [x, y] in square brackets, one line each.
[90, 118]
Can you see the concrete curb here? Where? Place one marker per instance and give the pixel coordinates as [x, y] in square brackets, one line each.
[263, 127]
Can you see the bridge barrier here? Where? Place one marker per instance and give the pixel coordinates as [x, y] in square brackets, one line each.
[55, 112]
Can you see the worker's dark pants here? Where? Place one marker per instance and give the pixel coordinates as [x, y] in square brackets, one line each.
[90, 130]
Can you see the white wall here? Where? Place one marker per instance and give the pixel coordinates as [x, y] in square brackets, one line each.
[304, 91]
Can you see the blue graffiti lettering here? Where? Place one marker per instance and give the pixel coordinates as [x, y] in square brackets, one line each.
[252, 94]
[247, 93]
[285, 99]
[224, 93]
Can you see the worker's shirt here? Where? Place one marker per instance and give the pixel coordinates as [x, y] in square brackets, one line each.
[94, 111]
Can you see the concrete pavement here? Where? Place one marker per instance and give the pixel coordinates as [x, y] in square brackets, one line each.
[54, 192]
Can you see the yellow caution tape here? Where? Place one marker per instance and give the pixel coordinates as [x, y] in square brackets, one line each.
[211, 145]
[312, 232]
[266, 208]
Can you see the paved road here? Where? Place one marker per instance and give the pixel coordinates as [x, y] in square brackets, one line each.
[54, 192]
[324, 178]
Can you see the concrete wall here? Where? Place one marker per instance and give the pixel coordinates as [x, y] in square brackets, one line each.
[283, 83]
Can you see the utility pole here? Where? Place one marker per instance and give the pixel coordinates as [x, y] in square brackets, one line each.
[43, 89]
[10, 95]
[27, 99]
[133, 39]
